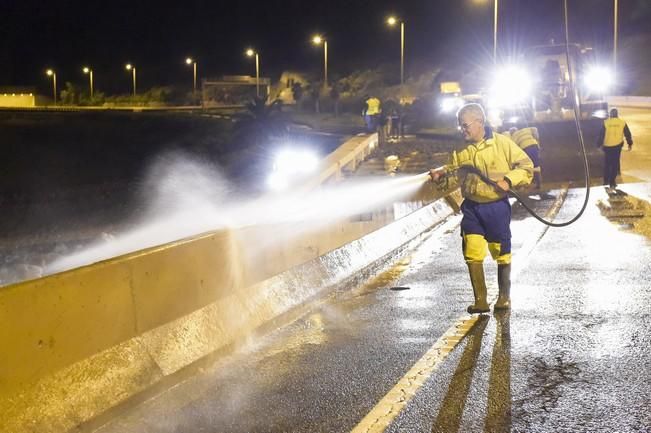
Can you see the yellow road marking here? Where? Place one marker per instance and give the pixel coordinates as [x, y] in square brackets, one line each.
[379, 418]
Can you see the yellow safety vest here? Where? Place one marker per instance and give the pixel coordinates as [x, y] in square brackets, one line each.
[614, 131]
[525, 137]
[496, 157]
[373, 106]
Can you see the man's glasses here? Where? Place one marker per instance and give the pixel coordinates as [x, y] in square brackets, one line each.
[466, 126]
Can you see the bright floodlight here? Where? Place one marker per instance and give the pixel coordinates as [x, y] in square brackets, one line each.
[86, 69]
[250, 52]
[277, 182]
[511, 86]
[451, 103]
[49, 72]
[189, 60]
[290, 165]
[392, 21]
[129, 66]
[599, 79]
[317, 40]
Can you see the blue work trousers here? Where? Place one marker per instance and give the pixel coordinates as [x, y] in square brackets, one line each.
[490, 221]
[611, 164]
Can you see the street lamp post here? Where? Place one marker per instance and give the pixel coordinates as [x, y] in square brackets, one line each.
[392, 21]
[53, 74]
[250, 53]
[132, 68]
[615, 34]
[317, 40]
[89, 71]
[495, 9]
[190, 61]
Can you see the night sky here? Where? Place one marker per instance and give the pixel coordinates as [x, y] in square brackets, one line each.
[158, 35]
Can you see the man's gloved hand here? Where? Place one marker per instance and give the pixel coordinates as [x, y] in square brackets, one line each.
[630, 147]
[437, 173]
[504, 185]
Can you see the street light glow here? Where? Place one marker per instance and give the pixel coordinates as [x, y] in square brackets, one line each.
[51, 73]
[89, 72]
[393, 21]
[189, 61]
[317, 40]
[250, 52]
[129, 66]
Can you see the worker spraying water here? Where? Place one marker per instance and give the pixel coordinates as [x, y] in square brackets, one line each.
[488, 168]
[486, 210]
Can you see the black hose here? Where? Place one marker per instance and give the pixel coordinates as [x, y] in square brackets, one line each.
[486, 179]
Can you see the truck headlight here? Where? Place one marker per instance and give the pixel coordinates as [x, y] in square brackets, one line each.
[599, 79]
[511, 86]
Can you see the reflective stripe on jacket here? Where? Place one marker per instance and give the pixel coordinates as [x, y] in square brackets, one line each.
[497, 157]
[526, 137]
[614, 135]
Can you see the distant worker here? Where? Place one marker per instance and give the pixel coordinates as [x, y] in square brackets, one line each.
[529, 141]
[552, 86]
[393, 124]
[486, 208]
[611, 140]
[372, 112]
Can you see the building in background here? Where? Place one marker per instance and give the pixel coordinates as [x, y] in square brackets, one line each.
[232, 90]
[17, 97]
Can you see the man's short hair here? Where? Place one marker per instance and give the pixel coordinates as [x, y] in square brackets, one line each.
[474, 109]
[614, 112]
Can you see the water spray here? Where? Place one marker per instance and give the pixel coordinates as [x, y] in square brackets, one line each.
[188, 203]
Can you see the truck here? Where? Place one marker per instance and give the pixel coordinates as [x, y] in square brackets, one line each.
[537, 87]
[536, 91]
[450, 99]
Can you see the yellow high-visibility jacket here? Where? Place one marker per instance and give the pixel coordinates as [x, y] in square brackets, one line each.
[614, 131]
[526, 137]
[373, 106]
[497, 157]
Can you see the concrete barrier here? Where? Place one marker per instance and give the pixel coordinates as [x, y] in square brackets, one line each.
[77, 343]
[630, 101]
[346, 158]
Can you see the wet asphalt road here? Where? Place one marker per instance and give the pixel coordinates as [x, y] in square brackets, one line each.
[573, 355]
